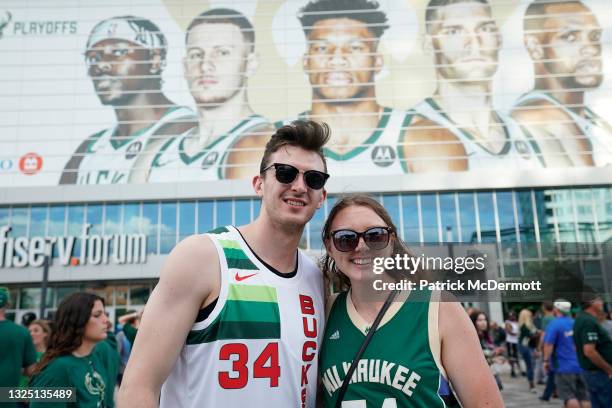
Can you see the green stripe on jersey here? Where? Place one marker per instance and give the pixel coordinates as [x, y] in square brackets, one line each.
[235, 256]
[252, 293]
[250, 312]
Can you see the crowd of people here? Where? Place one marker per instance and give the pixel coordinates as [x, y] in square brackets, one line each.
[240, 316]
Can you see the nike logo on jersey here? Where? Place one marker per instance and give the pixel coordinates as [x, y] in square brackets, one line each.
[335, 336]
[241, 278]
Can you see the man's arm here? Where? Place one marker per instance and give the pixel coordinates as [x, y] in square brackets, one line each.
[592, 354]
[425, 146]
[463, 359]
[189, 280]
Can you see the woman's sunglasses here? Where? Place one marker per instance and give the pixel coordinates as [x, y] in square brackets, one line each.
[346, 240]
[286, 173]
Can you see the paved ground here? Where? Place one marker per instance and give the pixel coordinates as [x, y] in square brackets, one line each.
[516, 394]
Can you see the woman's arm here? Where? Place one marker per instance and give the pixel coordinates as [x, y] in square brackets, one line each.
[463, 360]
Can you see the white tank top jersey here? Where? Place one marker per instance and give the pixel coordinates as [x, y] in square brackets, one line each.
[519, 152]
[259, 345]
[172, 163]
[109, 161]
[593, 126]
[376, 155]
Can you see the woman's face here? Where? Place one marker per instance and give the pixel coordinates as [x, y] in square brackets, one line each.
[357, 264]
[481, 322]
[96, 327]
[39, 337]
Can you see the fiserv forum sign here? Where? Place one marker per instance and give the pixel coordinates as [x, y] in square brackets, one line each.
[95, 249]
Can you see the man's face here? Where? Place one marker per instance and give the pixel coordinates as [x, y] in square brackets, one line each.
[465, 41]
[119, 69]
[290, 205]
[571, 44]
[341, 60]
[216, 62]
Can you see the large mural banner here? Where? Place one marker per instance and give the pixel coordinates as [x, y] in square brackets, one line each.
[155, 91]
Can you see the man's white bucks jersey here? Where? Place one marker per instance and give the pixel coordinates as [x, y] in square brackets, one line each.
[519, 152]
[109, 160]
[593, 126]
[377, 155]
[172, 162]
[259, 345]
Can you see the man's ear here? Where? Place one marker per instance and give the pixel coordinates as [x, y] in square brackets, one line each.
[534, 47]
[252, 63]
[322, 200]
[257, 183]
[157, 63]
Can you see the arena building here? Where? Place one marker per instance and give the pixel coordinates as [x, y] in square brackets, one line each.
[122, 135]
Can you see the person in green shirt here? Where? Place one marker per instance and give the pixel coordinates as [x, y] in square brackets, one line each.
[40, 332]
[16, 349]
[82, 354]
[421, 344]
[594, 349]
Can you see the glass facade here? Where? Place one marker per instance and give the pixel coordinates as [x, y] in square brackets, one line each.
[508, 217]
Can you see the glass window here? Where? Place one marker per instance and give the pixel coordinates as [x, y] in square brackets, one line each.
[224, 213]
[410, 213]
[139, 294]
[38, 221]
[584, 215]
[448, 216]
[186, 219]
[63, 291]
[121, 295]
[149, 225]
[112, 222]
[391, 204]
[31, 297]
[4, 216]
[94, 218]
[242, 211]
[19, 221]
[131, 218]
[430, 218]
[467, 218]
[205, 216]
[76, 216]
[57, 214]
[545, 216]
[168, 227]
[486, 212]
[602, 197]
[505, 214]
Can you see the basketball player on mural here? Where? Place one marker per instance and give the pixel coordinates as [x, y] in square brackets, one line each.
[341, 62]
[564, 41]
[457, 128]
[125, 57]
[220, 46]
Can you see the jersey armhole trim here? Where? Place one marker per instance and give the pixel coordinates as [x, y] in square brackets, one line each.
[435, 343]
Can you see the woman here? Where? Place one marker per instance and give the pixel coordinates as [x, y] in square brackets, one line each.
[40, 332]
[418, 342]
[492, 353]
[526, 346]
[80, 354]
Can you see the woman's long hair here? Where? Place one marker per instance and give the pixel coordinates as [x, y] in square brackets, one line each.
[526, 318]
[70, 320]
[334, 278]
[483, 335]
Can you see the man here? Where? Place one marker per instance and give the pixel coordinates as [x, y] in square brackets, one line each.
[564, 41]
[126, 56]
[238, 313]
[457, 128]
[594, 348]
[341, 62]
[17, 349]
[549, 315]
[560, 355]
[220, 58]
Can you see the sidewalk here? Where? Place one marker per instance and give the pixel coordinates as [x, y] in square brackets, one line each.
[516, 394]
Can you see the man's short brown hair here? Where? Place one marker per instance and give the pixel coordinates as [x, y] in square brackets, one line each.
[307, 134]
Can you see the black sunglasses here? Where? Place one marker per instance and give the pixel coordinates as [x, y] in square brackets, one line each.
[286, 173]
[346, 240]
